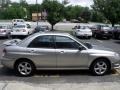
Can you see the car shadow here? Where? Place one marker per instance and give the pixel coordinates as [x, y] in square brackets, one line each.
[117, 42]
[9, 72]
[56, 76]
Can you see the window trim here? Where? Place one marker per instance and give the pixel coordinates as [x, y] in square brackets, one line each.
[66, 48]
[43, 47]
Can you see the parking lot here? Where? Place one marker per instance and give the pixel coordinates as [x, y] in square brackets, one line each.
[71, 79]
[78, 78]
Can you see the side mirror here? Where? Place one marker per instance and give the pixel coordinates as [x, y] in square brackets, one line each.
[81, 48]
[73, 28]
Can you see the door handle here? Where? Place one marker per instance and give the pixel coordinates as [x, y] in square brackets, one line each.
[32, 51]
[61, 52]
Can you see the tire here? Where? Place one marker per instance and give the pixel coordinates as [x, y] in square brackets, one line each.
[24, 68]
[9, 36]
[95, 36]
[119, 36]
[108, 38]
[89, 37]
[100, 67]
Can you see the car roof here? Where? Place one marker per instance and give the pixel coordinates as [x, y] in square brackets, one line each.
[52, 33]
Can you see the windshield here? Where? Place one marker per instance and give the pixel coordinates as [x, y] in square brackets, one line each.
[2, 27]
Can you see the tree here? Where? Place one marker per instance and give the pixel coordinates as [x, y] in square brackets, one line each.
[97, 16]
[14, 12]
[85, 14]
[54, 11]
[65, 2]
[72, 12]
[5, 3]
[109, 8]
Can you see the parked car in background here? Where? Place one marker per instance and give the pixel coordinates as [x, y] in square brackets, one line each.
[62, 51]
[41, 29]
[93, 28]
[17, 21]
[116, 32]
[82, 31]
[103, 31]
[5, 30]
[21, 30]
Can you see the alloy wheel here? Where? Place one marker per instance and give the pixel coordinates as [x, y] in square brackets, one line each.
[100, 67]
[24, 68]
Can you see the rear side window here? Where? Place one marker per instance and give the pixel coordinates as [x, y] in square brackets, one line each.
[42, 42]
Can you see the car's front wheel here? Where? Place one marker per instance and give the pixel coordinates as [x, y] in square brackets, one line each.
[100, 67]
[24, 68]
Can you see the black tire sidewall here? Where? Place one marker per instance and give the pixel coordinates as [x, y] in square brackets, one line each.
[19, 74]
[93, 65]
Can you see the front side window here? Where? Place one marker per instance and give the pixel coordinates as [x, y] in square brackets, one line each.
[42, 42]
[65, 43]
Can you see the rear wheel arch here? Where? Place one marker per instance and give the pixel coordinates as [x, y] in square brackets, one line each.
[23, 59]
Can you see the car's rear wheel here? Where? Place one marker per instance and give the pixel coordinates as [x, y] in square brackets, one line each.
[100, 67]
[25, 68]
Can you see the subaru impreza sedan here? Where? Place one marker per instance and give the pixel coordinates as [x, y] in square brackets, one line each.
[57, 51]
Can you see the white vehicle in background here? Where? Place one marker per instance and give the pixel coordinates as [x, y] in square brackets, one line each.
[16, 21]
[21, 30]
[82, 31]
[19, 21]
[5, 30]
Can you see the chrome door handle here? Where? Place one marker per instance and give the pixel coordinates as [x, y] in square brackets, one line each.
[61, 52]
[32, 51]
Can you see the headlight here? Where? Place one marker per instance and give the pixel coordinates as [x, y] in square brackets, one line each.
[117, 56]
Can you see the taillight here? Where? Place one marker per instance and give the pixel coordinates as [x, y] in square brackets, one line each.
[4, 52]
[3, 31]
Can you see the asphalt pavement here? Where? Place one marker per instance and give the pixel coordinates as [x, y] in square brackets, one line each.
[64, 80]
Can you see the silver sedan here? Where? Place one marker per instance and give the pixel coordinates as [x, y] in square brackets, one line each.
[57, 51]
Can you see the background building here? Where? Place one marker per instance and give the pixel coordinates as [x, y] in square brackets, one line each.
[40, 16]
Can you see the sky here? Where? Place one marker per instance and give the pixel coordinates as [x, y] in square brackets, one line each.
[73, 2]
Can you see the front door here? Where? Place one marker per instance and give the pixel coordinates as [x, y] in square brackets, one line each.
[68, 53]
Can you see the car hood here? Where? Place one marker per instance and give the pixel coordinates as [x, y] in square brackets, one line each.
[98, 47]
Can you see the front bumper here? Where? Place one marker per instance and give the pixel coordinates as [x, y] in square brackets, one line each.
[116, 65]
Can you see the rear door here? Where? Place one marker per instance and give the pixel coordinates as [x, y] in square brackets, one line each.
[42, 51]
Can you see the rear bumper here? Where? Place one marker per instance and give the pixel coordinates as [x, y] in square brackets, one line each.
[105, 34]
[19, 34]
[82, 34]
[9, 63]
